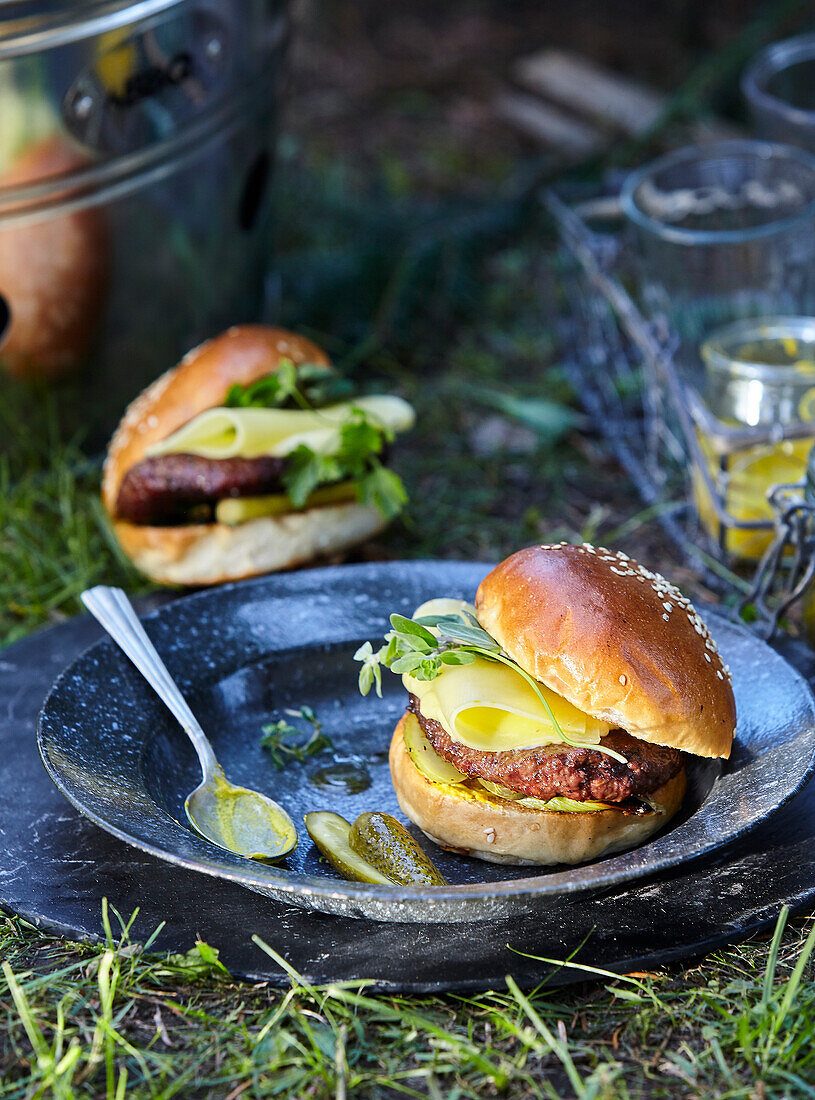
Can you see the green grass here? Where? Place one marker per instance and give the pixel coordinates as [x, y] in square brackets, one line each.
[115, 1020]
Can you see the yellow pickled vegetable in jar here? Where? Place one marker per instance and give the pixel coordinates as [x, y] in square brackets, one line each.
[759, 374]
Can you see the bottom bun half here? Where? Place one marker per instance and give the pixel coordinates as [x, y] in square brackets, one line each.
[495, 829]
[212, 553]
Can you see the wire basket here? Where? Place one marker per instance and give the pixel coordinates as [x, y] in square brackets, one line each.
[623, 370]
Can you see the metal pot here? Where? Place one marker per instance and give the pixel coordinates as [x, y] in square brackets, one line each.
[135, 153]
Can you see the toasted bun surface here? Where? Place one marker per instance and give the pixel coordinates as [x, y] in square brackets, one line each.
[200, 381]
[212, 553]
[617, 641]
[52, 273]
[500, 831]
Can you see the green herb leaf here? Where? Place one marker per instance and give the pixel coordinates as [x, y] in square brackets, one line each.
[305, 470]
[384, 490]
[408, 662]
[286, 742]
[402, 625]
[307, 385]
[371, 671]
[455, 629]
[457, 657]
[360, 438]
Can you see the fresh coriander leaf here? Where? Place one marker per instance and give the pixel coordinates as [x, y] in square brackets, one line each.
[384, 489]
[265, 393]
[359, 439]
[305, 470]
[309, 385]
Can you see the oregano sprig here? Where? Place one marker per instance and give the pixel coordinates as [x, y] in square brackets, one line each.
[412, 647]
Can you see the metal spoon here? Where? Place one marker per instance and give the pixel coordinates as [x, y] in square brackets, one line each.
[242, 821]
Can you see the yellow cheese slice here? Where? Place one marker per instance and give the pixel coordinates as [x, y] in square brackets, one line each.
[443, 605]
[489, 706]
[249, 433]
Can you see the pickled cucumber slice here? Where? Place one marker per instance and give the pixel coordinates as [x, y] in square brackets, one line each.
[424, 756]
[499, 791]
[233, 511]
[330, 832]
[383, 842]
[566, 805]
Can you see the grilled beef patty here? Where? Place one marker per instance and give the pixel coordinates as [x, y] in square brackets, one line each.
[559, 770]
[163, 490]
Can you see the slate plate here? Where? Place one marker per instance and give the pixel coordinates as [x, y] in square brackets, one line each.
[244, 653]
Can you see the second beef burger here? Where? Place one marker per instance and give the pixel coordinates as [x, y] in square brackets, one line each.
[243, 459]
[551, 721]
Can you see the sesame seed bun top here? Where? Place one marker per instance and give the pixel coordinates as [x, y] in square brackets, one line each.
[616, 640]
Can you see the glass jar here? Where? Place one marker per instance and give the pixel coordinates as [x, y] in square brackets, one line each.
[136, 143]
[808, 599]
[723, 231]
[779, 87]
[758, 375]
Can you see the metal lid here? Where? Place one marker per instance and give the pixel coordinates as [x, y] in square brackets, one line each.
[28, 26]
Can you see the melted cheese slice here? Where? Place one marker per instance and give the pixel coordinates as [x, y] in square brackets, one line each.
[491, 707]
[249, 433]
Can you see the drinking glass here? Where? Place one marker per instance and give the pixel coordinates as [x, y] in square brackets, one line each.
[723, 231]
[779, 87]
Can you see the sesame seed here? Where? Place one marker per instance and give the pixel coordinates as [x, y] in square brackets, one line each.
[666, 617]
[623, 679]
[490, 835]
[707, 656]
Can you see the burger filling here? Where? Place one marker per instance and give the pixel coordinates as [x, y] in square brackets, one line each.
[562, 771]
[241, 462]
[484, 720]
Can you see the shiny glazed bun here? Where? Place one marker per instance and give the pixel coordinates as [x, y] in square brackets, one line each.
[52, 273]
[501, 831]
[211, 553]
[614, 639]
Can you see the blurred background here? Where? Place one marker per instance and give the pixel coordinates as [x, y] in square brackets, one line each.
[371, 175]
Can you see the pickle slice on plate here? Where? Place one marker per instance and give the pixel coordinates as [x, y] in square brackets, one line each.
[330, 833]
[424, 756]
[385, 844]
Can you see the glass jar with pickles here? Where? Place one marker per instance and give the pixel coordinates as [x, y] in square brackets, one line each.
[755, 426]
[808, 598]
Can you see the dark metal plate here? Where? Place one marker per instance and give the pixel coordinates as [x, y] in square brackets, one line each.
[244, 653]
[56, 866]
